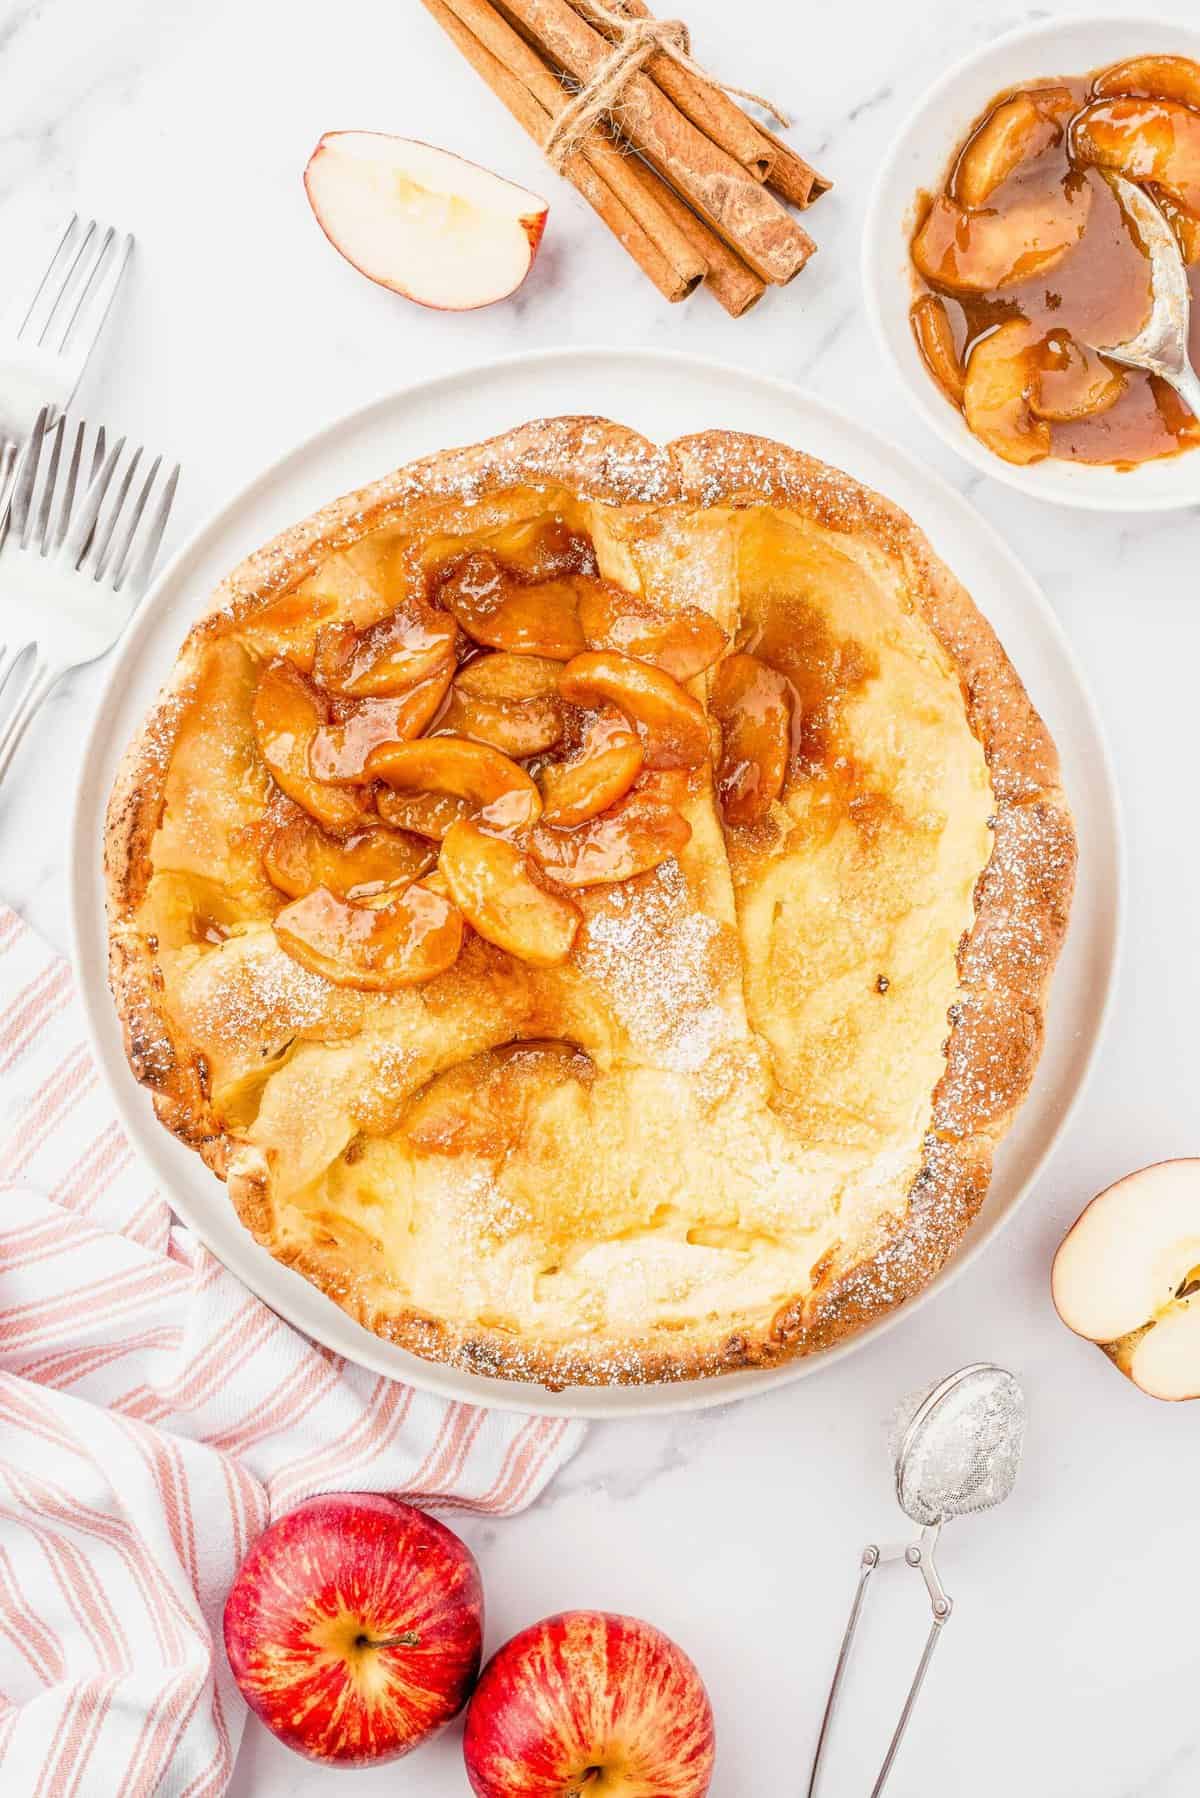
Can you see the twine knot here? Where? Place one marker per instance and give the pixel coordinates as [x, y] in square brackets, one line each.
[635, 41]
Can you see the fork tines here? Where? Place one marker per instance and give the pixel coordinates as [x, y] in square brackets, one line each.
[115, 531]
[77, 288]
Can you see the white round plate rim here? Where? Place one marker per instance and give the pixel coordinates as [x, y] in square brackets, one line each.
[957, 97]
[1103, 905]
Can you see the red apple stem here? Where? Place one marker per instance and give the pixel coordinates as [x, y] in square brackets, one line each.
[407, 1638]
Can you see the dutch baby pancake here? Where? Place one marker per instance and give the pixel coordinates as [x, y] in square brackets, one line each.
[593, 903]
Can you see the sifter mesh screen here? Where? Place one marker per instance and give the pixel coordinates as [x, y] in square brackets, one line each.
[958, 1444]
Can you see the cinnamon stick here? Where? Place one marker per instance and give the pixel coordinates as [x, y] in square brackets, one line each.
[533, 94]
[730, 280]
[719, 188]
[712, 110]
[790, 176]
[643, 227]
[704, 104]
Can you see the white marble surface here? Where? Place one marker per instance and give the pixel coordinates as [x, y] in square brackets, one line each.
[1071, 1665]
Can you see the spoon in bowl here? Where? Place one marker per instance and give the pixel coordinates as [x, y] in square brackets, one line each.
[1161, 346]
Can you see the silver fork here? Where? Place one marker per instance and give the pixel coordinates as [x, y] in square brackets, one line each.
[48, 336]
[73, 565]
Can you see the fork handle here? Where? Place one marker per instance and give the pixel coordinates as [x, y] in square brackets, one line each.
[44, 677]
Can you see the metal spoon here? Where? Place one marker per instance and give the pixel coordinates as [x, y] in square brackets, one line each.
[1161, 346]
[957, 1448]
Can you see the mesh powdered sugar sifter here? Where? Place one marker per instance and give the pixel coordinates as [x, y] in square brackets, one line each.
[957, 1448]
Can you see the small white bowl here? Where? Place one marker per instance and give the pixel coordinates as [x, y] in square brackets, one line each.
[919, 159]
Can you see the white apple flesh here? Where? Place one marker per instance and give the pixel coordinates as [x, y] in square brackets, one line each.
[426, 223]
[1127, 1276]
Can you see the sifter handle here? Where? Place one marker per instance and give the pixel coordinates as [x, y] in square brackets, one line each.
[867, 1566]
[919, 1556]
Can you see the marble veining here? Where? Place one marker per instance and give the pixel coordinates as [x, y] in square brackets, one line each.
[1071, 1664]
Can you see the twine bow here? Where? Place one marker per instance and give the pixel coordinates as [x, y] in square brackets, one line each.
[636, 41]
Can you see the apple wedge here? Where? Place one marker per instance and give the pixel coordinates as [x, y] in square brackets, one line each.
[491, 883]
[1127, 1277]
[426, 223]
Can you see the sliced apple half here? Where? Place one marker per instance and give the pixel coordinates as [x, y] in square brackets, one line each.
[422, 221]
[1127, 1277]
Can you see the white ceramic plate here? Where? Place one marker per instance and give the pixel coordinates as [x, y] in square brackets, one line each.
[922, 149]
[663, 396]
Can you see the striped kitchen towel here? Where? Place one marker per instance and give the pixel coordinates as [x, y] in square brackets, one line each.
[154, 1416]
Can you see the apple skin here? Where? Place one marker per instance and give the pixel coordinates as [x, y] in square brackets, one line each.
[403, 276]
[1125, 1274]
[311, 1614]
[586, 1704]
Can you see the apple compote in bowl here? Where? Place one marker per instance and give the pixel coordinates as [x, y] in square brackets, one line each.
[1020, 265]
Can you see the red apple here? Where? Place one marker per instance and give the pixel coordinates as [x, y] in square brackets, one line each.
[587, 1703]
[422, 221]
[1127, 1276]
[354, 1627]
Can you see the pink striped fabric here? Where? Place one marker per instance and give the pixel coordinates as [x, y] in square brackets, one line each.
[153, 1417]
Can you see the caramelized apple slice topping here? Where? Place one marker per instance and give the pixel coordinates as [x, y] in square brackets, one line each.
[412, 643]
[287, 717]
[753, 705]
[413, 936]
[1001, 373]
[685, 642]
[489, 782]
[608, 761]
[518, 727]
[491, 882]
[538, 618]
[1145, 140]
[632, 838]
[340, 751]
[970, 252]
[935, 340]
[1073, 382]
[672, 725]
[482, 1106]
[1017, 131]
[501, 677]
[1152, 78]
[428, 814]
[542, 549]
[298, 856]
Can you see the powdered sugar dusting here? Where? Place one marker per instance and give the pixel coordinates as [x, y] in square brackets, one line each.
[655, 956]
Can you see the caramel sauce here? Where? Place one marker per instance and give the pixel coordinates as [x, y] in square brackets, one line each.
[821, 669]
[1098, 292]
[480, 1107]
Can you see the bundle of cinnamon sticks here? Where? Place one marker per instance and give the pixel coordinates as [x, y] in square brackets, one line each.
[688, 182]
